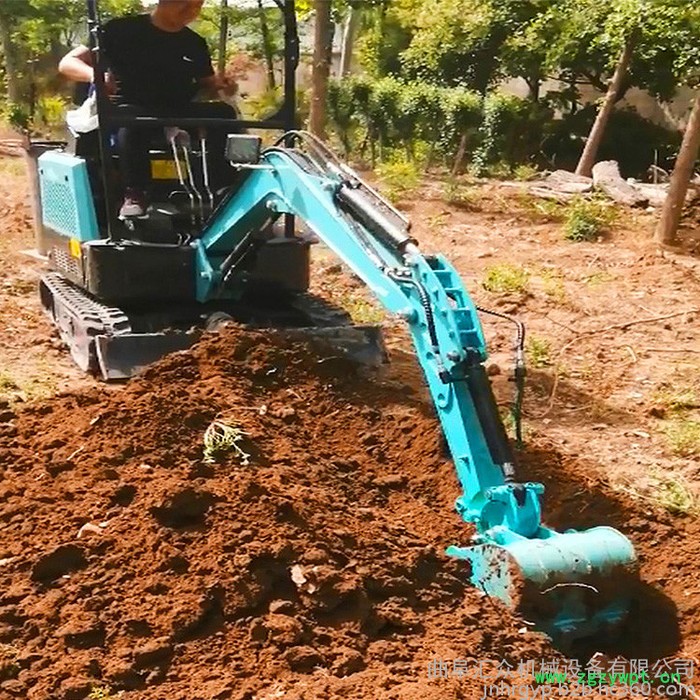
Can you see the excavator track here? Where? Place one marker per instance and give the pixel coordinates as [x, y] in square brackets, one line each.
[80, 319]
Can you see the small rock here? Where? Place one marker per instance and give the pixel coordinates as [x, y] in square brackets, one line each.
[286, 413]
[61, 561]
[390, 481]
[14, 688]
[493, 369]
[257, 630]
[89, 529]
[281, 607]
[302, 659]
[59, 466]
[347, 662]
[155, 653]
[83, 635]
[283, 630]
[75, 689]
[297, 574]
[316, 555]
[186, 507]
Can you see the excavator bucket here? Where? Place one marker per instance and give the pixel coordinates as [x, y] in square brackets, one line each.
[572, 586]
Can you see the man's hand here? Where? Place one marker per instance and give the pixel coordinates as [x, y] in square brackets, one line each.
[219, 85]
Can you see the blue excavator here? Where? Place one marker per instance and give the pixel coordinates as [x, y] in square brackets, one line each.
[123, 293]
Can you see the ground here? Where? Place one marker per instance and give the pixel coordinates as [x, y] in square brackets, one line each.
[611, 427]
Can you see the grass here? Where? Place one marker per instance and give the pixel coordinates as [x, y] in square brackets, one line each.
[506, 279]
[676, 400]
[362, 311]
[539, 209]
[597, 279]
[460, 195]
[683, 436]
[587, 219]
[103, 693]
[667, 490]
[222, 438]
[7, 383]
[525, 173]
[27, 388]
[398, 178]
[13, 166]
[538, 352]
[553, 285]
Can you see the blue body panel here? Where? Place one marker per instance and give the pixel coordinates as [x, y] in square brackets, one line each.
[67, 204]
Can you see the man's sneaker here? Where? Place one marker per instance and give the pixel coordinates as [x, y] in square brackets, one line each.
[134, 205]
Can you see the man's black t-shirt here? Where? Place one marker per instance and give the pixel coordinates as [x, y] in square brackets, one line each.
[153, 67]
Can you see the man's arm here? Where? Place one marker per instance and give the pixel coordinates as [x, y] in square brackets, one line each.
[77, 65]
[213, 84]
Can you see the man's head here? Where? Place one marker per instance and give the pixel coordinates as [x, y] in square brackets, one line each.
[177, 14]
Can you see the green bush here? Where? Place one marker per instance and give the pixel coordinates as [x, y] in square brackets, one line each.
[587, 219]
[51, 110]
[399, 178]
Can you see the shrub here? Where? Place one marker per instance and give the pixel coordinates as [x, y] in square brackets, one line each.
[587, 219]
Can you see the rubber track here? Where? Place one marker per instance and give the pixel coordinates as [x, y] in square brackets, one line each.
[79, 318]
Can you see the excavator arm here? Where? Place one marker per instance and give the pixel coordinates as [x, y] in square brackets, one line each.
[570, 583]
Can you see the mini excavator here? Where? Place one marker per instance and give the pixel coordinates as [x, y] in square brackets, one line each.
[122, 294]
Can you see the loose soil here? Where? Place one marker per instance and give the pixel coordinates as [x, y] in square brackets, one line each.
[315, 568]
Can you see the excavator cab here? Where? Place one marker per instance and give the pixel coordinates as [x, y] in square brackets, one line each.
[144, 270]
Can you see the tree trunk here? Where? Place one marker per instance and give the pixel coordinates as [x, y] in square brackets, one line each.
[352, 22]
[323, 38]
[267, 47]
[682, 172]
[14, 88]
[585, 165]
[223, 38]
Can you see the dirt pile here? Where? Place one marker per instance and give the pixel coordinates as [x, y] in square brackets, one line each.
[311, 568]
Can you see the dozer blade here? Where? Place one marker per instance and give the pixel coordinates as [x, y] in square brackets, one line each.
[123, 356]
[572, 586]
[363, 345]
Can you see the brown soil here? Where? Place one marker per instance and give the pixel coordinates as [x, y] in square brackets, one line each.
[186, 588]
[316, 570]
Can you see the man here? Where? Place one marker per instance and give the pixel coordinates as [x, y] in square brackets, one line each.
[157, 64]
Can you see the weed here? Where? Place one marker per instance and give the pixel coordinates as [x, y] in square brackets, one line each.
[8, 661]
[538, 208]
[362, 311]
[500, 171]
[553, 285]
[461, 196]
[676, 400]
[506, 279]
[13, 166]
[525, 173]
[103, 693]
[438, 220]
[667, 490]
[7, 383]
[399, 178]
[671, 491]
[587, 219]
[598, 278]
[539, 352]
[683, 436]
[221, 438]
